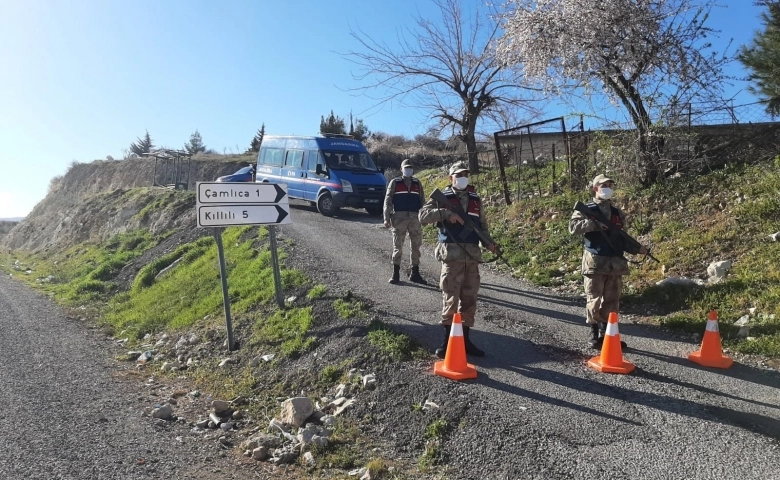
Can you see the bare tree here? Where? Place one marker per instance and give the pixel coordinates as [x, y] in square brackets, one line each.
[645, 55]
[445, 67]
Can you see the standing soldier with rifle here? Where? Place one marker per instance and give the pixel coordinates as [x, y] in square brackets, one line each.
[458, 251]
[603, 263]
[403, 200]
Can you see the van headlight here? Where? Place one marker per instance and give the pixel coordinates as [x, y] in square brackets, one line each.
[346, 186]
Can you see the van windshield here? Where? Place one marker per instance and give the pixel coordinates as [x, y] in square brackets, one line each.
[341, 160]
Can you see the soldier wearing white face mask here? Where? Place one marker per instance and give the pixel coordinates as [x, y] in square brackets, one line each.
[460, 257]
[403, 200]
[603, 262]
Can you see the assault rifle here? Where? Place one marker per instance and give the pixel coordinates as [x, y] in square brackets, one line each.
[599, 217]
[468, 226]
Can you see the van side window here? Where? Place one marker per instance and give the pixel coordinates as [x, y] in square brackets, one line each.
[273, 156]
[294, 158]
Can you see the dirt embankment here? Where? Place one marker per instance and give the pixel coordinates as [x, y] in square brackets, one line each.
[94, 201]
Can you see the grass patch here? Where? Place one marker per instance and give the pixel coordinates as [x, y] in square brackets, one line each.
[84, 272]
[222, 384]
[433, 454]
[398, 346]
[377, 467]
[317, 291]
[288, 329]
[347, 307]
[343, 450]
[187, 252]
[192, 290]
[436, 429]
[331, 374]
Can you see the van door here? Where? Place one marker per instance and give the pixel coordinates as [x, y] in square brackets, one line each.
[293, 173]
[313, 181]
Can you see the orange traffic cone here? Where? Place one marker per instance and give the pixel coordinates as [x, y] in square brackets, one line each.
[611, 358]
[454, 365]
[710, 354]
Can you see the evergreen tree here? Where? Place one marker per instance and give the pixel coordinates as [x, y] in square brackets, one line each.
[254, 147]
[762, 57]
[195, 144]
[332, 124]
[360, 131]
[142, 145]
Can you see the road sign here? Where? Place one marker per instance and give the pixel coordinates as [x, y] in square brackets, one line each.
[241, 193]
[226, 204]
[228, 215]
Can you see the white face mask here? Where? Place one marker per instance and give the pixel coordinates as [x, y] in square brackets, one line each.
[461, 183]
[604, 193]
[408, 172]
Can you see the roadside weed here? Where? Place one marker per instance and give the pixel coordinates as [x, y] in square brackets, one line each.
[317, 291]
[398, 346]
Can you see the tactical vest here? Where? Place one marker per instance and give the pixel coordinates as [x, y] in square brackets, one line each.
[407, 199]
[455, 229]
[595, 242]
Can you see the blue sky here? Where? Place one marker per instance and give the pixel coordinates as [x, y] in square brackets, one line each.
[82, 79]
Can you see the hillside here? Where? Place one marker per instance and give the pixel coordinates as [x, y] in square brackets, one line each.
[91, 202]
[7, 225]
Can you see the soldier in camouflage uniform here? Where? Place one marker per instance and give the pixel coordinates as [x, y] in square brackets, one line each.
[603, 263]
[403, 200]
[460, 258]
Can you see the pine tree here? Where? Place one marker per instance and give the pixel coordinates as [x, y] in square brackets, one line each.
[254, 147]
[333, 124]
[195, 145]
[762, 57]
[142, 145]
[360, 131]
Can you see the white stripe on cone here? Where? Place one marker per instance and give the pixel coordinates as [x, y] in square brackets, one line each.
[712, 325]
[612, 329]
[456, 330]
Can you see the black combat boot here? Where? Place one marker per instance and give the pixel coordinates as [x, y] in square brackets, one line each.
[471, 349]
[596, 336]
[396, 275]
[441, 352]
[603, 332]
[415, 276]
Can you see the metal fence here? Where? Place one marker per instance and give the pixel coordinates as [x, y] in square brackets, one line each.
[544, 157]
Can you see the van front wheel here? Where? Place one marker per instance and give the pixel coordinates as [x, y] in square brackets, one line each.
[326, 206]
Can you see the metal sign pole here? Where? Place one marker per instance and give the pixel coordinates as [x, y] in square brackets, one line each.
[225, 295]
[275, 265]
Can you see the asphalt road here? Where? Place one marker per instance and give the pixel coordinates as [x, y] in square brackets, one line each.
[68, 414]
[542, 412]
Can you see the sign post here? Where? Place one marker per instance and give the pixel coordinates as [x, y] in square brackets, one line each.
[226, 204]
[217, 231]
[275, 265]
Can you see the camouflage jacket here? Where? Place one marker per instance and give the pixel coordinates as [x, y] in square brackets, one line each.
[452, 252]
[593, 264]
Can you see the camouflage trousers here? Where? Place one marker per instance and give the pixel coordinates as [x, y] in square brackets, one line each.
[403, 223]
[459, 285]
[603, 296]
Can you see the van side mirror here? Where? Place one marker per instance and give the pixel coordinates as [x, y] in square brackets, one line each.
[319, 169]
